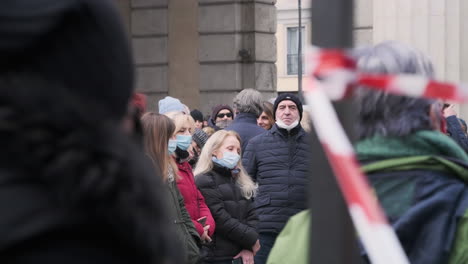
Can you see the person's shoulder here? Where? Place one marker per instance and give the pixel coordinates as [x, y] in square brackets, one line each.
[205, 179]
[259, 137]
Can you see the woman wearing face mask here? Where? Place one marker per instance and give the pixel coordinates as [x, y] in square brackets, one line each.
[228, 191]
[194, 201]
[159, 143]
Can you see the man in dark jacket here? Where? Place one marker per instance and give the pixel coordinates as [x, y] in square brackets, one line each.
[277, 160]
[248, 106]
[74, 188]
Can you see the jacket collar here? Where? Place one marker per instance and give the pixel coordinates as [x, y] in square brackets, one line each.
[284, 133]
[246, 118]
[184, 166]
[222, 170]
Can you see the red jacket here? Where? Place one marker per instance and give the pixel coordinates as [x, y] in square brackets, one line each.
[194, 201]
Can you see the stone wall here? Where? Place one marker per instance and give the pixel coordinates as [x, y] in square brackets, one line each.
[149, 32]
[237, 49]
[202, 51]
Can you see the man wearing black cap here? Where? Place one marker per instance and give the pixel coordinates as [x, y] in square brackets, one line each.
[277, 161]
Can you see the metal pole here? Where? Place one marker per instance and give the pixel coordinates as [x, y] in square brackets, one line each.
[299, 52]
[333, 239]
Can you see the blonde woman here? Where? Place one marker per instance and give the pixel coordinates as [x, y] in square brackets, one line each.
[194, 200]
[228, 191]
[160, 143]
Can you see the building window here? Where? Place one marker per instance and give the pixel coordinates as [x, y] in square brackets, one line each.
[293, 39]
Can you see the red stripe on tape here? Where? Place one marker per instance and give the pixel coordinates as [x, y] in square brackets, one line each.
[330, 60]
[378, 82]
[436, 89]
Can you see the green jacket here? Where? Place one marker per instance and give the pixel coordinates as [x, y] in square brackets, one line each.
[292, 244]
[185, 230]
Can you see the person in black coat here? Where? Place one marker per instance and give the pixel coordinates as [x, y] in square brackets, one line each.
[74, 186]
[278, 161]
[228, 192]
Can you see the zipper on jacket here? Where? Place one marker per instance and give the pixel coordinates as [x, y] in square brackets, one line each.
[236, 196]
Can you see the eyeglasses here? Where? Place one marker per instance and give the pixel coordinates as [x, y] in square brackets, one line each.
[223, 115]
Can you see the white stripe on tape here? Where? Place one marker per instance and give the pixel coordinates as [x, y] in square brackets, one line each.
[410, 85]
[326, 123]
[381, 243]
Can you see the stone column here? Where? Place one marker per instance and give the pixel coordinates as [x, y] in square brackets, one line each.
[237, 49]
[202, 51]
[184, 72]
[149, 30]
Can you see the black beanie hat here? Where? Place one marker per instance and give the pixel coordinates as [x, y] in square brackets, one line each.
[291, 97]
[218, 108]
[80, 44]
[197, 115]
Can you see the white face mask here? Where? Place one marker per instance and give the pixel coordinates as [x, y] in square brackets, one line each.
[281, 124]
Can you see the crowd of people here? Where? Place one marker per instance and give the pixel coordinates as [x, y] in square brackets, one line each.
[213, 179]
[89, 174]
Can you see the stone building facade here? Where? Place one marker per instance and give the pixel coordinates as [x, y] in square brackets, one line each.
[205, 51]
[202, 51]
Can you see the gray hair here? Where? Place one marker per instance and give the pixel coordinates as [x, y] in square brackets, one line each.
[392, 115]
[249, 101]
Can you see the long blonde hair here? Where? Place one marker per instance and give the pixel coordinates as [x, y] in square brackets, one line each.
[157, 130]
[205, 163]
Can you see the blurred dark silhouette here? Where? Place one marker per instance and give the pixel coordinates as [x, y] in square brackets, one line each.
[74, 186]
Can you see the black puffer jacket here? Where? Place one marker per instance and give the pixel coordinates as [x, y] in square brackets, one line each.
[278, 160]
[234, 215]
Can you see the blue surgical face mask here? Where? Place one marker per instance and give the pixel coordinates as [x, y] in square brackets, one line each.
[171, 147]
[229, 160]
[183, 141]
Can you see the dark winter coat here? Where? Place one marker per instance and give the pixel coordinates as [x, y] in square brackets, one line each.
[411, 197]
[455, 131]
[234, 215]
[278, 161]
[245, 124]
[185, 231]
[193, 199]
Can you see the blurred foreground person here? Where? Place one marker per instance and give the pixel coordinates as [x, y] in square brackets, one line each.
[418, 173]
[160, 144]
[74, 187]
[228, 191]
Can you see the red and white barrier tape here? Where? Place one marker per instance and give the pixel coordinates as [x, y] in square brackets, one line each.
[337, 72]
[376, 234]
